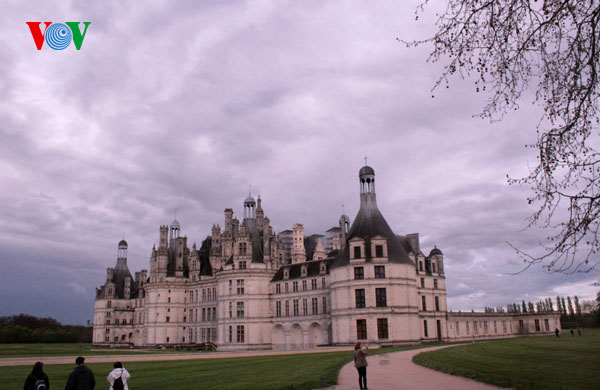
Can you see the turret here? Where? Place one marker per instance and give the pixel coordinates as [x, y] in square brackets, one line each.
[319, 253]
[122, 249]
[249, 207]
[298, 250]
[228, 220]
[164, 237]
[175, 228]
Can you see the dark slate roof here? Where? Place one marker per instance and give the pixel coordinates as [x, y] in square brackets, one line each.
[314, 269]
[120, 272]
[366, 170]
[256, 239]
[369, 223]
[435, 251]
[406, 244]
[122, 243]
[204, 256]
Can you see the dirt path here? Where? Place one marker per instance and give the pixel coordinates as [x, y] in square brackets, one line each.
[396, 371]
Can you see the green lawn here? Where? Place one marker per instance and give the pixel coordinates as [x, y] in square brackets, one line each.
[303, 371]
[86, 349]
[543, 362]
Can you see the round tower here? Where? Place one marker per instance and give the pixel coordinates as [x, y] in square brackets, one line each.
[122, 249]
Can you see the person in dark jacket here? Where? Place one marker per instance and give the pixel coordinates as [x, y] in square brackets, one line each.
[360, 362]
[37, 374]
[82, 378]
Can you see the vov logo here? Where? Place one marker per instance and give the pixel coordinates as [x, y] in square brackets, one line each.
[58, 36]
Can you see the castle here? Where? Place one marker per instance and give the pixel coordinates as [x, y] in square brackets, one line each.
[248, 288]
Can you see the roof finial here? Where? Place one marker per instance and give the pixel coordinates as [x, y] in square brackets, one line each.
[176, 213]
[365, 160]
[343, 210]
[250, 190]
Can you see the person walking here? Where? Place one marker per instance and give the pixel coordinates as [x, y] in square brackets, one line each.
[82, 378]
[360, 362]
[118, 377]
[557, 332]
[37, 380]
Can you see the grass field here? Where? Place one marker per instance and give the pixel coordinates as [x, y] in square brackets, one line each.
[543, 362]
[33, 350]
[303, 371]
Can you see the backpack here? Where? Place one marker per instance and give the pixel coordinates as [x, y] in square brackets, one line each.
[118, 383]
[40, 384]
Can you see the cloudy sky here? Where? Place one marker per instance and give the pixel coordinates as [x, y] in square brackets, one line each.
[183, 107]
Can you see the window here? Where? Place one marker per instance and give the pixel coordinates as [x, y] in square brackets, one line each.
[457, 328]
[424, 302]
[313, 284]
[521, 324]
[379, 251]
[242, 248]
[168, 319]
[504, 326]
[537, 325]
[230, 334]
[495, 327]
[437, 303]
[286, 287]
[315, 306]
[240, 287]
[382, 328]
[468, 328]
[322, 282]
[108, 304]
[242, 264]
[421, 266]
[240, 333]
[547, 325]
[361, 329]
[357, 254]
[230, 311]
[433, 267]
[305, 307]
[303, 271]
[379, 272]
[475, 330]
[425, 330]
[296, 312]
[169, 300]
[359, 294]
[485, 327]
[295, 286]
[422, 282]
[324, 305]
[304, 285]
[204, 292]
[287, 308]
[278, 288]
[167, 339]
[435, 285]
[359, 273]
[380, 297]
[278, 308]
[240, 309]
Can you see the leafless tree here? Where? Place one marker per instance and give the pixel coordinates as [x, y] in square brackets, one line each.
[551, 49]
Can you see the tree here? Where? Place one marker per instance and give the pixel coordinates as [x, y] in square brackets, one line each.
[564, 306]
[549, 50]
[524, 306]
[558, 305]
[577, 306]
[571, 311]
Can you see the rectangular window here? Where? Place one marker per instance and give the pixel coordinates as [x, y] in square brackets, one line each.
[296, 311]
[380, 297]
[424, 302]
[278, 308]
[323, 283]
[359, 273]
[468, 328]
[475, 330]
[425, 330]
[421, 266]
[324, 305]
[485, 327]
[313, 284]
[242, 264]
[305, 307]
[357, 252]
[437, 303]
[286, 287]
[521, 324]
[537, 325]
[360, 298]
[203, 314]
[240, 310]
[378, 250]
[504, 326]
[240, 287]
[287, 308]
[304, 285]
[295, 286]
[422, 282]
[230, 310]
[204, 292]
[242, 248]
[168, 319]
[278, 288]
[315, 306]
[379, 272]
[457, 328]
[547, 325]
[240, 334]
[382, 328]
[435, 285]
[361, 329]
[495, 327]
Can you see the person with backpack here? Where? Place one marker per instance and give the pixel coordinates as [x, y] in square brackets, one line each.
[82, 378]
[37, 380]
[118, 377]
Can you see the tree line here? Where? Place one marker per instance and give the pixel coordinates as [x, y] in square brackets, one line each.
[24, 328]
[573, 312]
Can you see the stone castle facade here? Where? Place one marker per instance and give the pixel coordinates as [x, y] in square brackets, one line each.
[248, 288]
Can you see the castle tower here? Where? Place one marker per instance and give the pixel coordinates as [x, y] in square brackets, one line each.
[122, 250]
[344, 227]
[260, 214]
[175, 228]
[164, 237]
[298, 250]
[249, 207]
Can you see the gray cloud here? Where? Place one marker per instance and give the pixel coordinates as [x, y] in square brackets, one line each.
[183, 107]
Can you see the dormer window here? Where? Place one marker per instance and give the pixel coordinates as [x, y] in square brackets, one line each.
[242, 248]
[286, 273]
[323, 268]
[303, 270]
[357, 254]
[379, 250]
[357, 249]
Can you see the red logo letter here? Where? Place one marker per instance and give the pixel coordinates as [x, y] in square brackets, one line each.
[36, 33]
